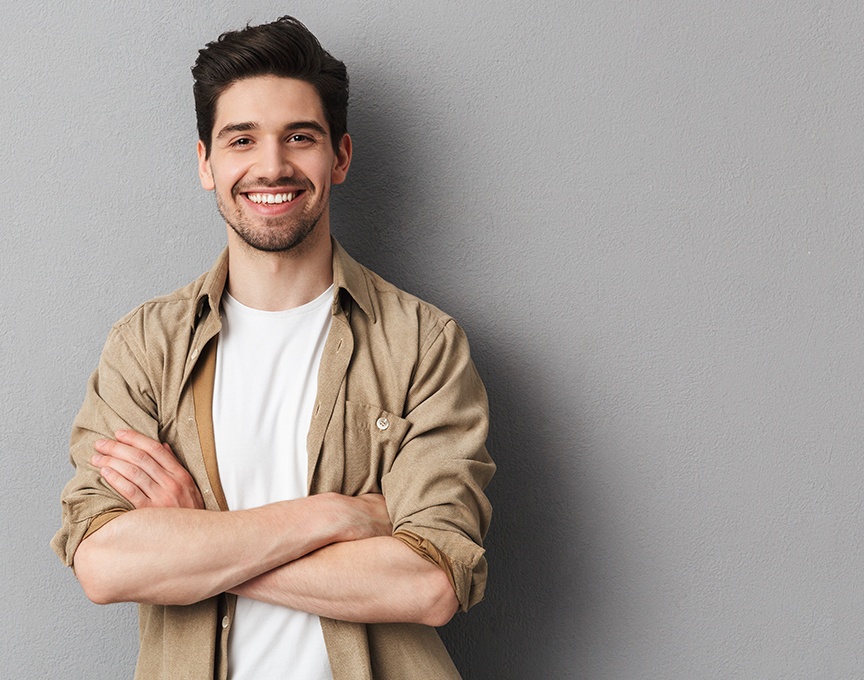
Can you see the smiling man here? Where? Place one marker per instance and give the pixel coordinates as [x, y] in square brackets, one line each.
[284, 461]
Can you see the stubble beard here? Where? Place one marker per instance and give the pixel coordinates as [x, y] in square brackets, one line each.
[273, 234]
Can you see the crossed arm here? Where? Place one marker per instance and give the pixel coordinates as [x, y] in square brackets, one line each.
[327, 554]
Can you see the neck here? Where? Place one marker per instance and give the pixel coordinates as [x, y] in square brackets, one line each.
[273, 282]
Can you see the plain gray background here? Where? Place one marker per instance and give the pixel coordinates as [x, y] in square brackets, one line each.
[646, 215]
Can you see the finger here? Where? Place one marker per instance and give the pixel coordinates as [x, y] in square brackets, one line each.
[160, 452]
[142, 491]
[170, 474]
[132, 473]
[162, 488]
[125, 488]
[132, 456]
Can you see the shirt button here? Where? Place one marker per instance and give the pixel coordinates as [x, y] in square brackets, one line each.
[194, 353]
[382, 423]
[224, 621]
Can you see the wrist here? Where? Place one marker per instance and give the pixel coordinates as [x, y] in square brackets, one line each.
[337, 513]
[326, 518]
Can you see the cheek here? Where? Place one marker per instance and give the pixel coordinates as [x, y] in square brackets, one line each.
[226, 177]
[324, 173]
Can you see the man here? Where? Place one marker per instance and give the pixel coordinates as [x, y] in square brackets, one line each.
[336, 422]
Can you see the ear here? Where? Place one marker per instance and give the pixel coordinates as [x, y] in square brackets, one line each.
[205, 174]
[342, 160]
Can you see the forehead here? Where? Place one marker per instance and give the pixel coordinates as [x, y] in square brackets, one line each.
[268, 101]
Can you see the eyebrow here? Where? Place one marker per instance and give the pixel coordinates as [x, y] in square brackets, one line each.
[292, 127]
[236, 127]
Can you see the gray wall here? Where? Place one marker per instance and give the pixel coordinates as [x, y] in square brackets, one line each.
[647, 216]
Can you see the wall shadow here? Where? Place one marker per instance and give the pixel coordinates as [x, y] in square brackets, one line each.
[537, 595]
[537, 552]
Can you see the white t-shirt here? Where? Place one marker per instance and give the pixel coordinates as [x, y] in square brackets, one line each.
[263, 396]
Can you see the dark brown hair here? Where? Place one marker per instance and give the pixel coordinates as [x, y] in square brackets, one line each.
[282, 48]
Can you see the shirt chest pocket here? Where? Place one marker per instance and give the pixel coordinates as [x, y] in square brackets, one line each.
[372, 438]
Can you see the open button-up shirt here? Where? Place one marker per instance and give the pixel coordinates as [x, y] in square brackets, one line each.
[400, 410]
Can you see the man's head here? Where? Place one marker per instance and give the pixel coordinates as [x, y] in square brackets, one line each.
[283, 48]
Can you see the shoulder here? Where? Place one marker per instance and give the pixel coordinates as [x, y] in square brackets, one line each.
[392, 300]
[165, 314]
[391, 312]
[409, 321]
[179, 311]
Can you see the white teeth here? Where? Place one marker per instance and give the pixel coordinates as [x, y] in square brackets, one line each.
[271, 198]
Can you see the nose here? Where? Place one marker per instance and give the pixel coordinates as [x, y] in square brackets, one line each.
[273, 161]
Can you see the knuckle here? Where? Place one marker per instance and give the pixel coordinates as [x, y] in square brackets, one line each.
[135, 474]
[138, 456]
[153, 448]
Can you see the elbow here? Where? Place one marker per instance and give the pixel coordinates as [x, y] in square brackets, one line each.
[97, 596]
[101, 579]
[91, 576]
[441, 603]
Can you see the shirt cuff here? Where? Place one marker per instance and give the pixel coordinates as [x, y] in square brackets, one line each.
[101, 520]
[462, 586]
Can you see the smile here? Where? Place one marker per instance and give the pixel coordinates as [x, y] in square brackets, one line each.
[273, 198]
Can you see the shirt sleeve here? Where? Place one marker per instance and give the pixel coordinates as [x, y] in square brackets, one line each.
[118, 396]
[435, 487]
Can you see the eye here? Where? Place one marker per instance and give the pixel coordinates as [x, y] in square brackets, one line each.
[300, 138]
[241, 142]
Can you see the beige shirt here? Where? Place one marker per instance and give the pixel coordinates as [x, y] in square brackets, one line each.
[400, 411]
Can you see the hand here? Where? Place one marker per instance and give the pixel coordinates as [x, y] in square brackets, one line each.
[146, 472]
[366, 516]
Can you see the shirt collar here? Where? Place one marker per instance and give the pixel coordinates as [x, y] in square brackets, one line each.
[348, 275]
[211, 289]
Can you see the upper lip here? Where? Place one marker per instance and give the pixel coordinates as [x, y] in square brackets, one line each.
[270, 190]
[273, 190]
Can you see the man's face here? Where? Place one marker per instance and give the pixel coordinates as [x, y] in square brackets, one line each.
[272, 162]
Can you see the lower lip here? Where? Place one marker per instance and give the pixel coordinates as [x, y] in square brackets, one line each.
[268, 209]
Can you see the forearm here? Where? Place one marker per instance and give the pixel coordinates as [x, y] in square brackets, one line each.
[377, 580]
[180, 556]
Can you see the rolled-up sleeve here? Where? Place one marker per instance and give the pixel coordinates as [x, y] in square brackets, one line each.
[118, 396]
[435, 487]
